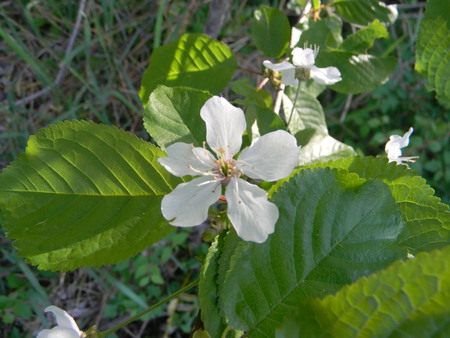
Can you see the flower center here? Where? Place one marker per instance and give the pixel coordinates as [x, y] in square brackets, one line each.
[302, 74]
[226, 169]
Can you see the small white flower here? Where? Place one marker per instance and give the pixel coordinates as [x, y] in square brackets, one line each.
[270, 158]
[66, 328]
[395, 144]
[302, 67]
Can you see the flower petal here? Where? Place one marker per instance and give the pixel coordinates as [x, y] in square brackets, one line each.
[58, 332]
[251, 214]
[286, 69]
[328, 75]
[303, 58]
[225, 125]
[63, 318]
[394, 145]
[271, 157]
[187, 205]
[183, 159]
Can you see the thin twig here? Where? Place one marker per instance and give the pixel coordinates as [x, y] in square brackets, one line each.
[348, 102]
[63, 67]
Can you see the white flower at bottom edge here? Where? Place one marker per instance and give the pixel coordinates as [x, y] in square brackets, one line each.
[395, 144]
[270, 158]
[303, 68]
[66, 325]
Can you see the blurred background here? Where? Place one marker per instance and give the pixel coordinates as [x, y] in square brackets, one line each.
[64, 60]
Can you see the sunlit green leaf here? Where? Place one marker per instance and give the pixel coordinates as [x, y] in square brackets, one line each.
[363, 39]
[433, 49]
[362, 12]
[360, 73]
[408, 299]
[173, 115]
[427, 221]
[84, 194]
[334, 227]
[193, 60]
[270, 31]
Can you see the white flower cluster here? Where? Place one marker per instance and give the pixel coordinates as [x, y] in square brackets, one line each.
[270, 158]
[303, 68]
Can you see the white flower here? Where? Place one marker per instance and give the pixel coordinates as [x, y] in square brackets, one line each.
[66, 328]
[270, 158]
[395, 144]
[302, 67]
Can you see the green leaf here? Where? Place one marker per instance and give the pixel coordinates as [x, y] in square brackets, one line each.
[270, 31]
[261, 120]
[84, 194]
[207, 290]
[173, 115]
[408, 299]
[324, 33]
[362, 12]
[252, 95]
[360, 73]
[333, 228]
[362, 40]
[193, 60]
[307, 123]
[427, 221]
[433, 49]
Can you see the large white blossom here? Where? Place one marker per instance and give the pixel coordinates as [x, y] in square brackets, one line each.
[269, 158]
[303, 68]
[395, 144]
[66, 325]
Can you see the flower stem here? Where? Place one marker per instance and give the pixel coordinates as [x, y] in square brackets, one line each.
[165, 300]
[293, 104]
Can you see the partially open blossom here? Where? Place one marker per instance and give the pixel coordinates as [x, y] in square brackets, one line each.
[270, 157]
[395, 144]
[303, 68]
[66, 325]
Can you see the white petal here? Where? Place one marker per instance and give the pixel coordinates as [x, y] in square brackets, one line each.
[394, 145]
[58, 332]
[251, 214]
[286, 69]
[328, 75]
[187, 205]
[183, 159]
[279, 67]
[63, 318]
[225, 125]
[303, 58]
[271, 157]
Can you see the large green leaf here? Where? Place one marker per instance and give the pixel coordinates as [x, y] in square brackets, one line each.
[333, 228]
[270, 31]
[173, 115]
[306, 121]
[362, 12]
[193, 60]
[433, 49]
[360, 73]
[84, 194]
[408, 299]
[427, 221]
[362, 40]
